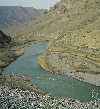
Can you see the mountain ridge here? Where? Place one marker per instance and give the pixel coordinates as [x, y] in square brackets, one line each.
[15, 15]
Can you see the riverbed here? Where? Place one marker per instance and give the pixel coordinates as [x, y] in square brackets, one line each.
[58, 85]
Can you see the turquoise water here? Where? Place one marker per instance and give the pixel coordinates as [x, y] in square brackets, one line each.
[58, 85]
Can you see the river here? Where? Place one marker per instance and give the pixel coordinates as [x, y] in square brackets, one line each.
[58, 85]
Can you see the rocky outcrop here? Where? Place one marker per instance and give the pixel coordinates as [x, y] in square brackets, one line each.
[4, 39]
[8, 53]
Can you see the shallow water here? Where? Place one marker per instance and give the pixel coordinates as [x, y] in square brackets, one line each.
[58, 85]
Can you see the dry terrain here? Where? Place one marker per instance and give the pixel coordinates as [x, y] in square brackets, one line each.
[73, 30]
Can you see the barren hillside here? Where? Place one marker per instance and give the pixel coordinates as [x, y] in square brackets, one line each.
[15, 15]
[73, 30]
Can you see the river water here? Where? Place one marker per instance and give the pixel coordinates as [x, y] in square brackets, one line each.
[58, 85]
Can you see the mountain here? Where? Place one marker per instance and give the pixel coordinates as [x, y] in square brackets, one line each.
[15, 15]
[66, 18]
[4, 39]
[73, 30]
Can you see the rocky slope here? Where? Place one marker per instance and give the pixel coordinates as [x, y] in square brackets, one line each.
[19, 99]
[4, 39]
[15, 15]
[73, 30]
[9, 50]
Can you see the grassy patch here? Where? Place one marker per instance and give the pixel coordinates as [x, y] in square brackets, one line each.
[2, 64]
[20, 52]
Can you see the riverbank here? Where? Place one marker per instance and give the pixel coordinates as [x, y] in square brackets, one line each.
[15, 81]
[9, 56]
[17, 92]
[42, 61]
[17, 98]
[17, 95]
[58, 62]
[11, 52]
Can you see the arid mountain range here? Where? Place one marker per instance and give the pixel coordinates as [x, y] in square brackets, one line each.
[15, 15]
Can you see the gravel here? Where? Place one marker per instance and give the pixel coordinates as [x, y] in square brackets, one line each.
[19, 99]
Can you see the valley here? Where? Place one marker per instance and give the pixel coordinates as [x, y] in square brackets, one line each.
[57, 53]
[73, 33]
